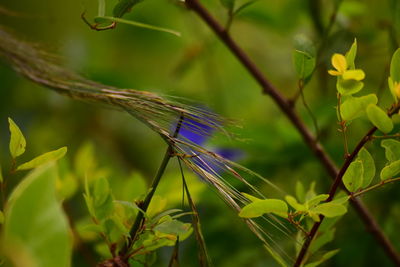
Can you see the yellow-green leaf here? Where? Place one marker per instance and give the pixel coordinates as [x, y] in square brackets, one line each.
[42, 159]
[357, 75]
[368, 166]
[379, 118]
[353, 177]
[17, 140]
[395, 66]
[1, 217]
[391, 170]
[258, 208]
[330, 209]
[351, 55]
[296, 205]
[392, 149]
[348, 87]
[35, 224]
[353, 107]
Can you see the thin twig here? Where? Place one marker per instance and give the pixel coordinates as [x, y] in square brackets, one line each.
[286, 108]
[133, 233]
[332, 192]
[382, 183]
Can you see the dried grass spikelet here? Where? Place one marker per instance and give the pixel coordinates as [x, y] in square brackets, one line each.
[160, 114]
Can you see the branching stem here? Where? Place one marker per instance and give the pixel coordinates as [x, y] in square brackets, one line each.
[137, 225]
[285, 106]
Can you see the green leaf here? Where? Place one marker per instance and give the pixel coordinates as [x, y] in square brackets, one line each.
[351, 55]
[141, 25]
[395, 66]
[296, 205]
[17, 140]
[316, 200]
[330, 209]
[379, 118]
[353, 107]
[368, 167]
[391, 170]
[101, 191]
[1, 217]
[353, 178]
[348, 87]
[324, 258]
[300, 192]
[35, 224]
[172, 227]
[123, 7]
[392, 149]
[392, 89]
[304, 57]
[43, 159]
[258, 208]
[250, 197]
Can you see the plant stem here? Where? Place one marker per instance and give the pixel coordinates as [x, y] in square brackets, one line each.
[287, 109]
[332, 192]
[382, 183]
[145, 204]
[343, 127]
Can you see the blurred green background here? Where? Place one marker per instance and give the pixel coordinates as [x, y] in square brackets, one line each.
[198, 67]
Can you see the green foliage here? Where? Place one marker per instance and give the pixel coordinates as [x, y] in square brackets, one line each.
[379, 118]
[354, 107]
[43, 159]
[17, 141]
[390, 170]
[330, 209]
[353, 178]
[259, 207]
[392, 149]
[35, 226]
[304, 57]
[395, 66]
[368, 166]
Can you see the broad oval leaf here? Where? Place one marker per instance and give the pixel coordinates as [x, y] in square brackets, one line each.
[353, 177]
[348, 87]
[379, 118]
[392, 149]
[395, 66]
[258, 208]
[353, 107]
[330, 209]
[35, 223]
[304, 64]
[391, 170]
[43, 159]
[17, 140]
[368, 166]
